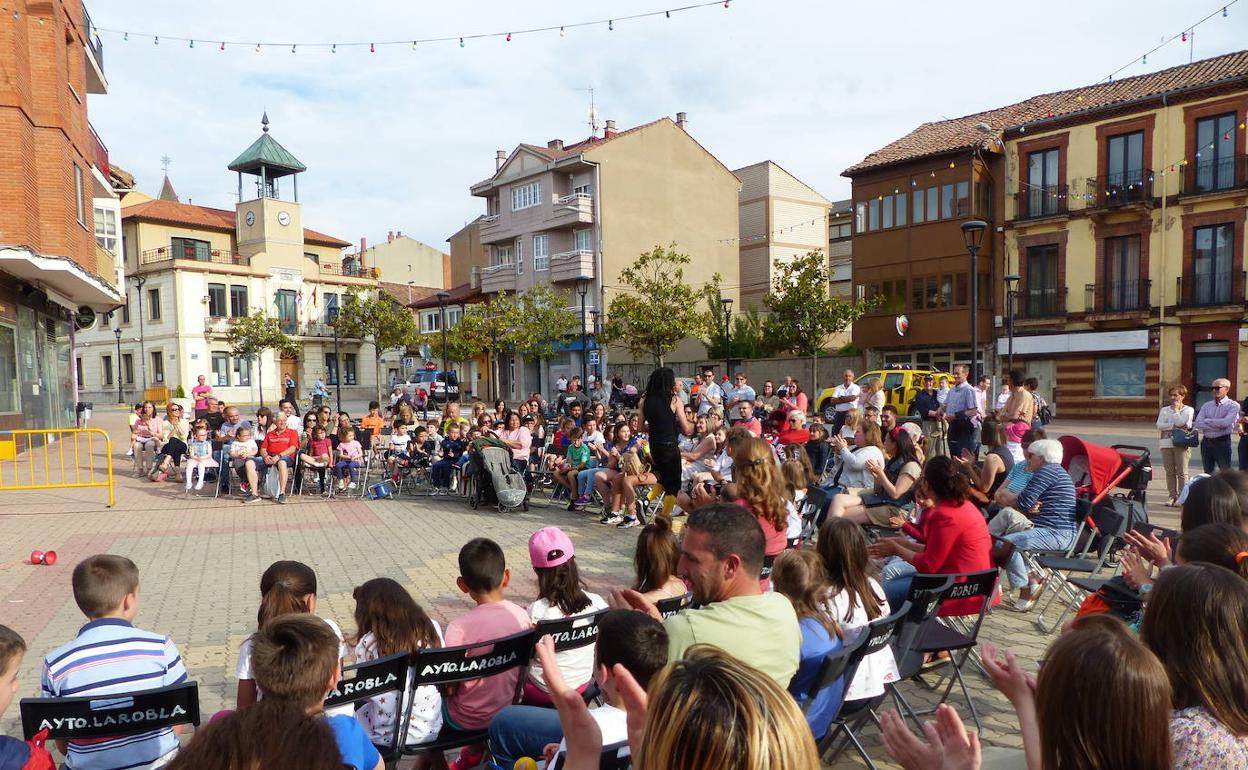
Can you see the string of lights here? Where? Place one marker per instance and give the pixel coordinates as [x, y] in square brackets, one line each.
[1182, 37]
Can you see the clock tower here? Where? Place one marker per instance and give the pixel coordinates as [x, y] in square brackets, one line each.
[269, 228]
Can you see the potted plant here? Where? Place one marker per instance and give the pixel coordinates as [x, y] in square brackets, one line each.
[187, 404]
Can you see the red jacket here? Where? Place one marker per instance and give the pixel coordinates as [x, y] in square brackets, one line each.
[956, 540]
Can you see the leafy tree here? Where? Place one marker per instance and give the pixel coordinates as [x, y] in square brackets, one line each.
[543, 318]
[250, 336]
[378, 318]
[657, 309]
[804, 313]
[749, 329]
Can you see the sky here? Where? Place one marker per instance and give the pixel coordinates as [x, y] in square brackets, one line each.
[394, 139]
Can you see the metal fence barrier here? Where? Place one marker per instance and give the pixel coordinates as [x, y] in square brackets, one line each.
[57, 458]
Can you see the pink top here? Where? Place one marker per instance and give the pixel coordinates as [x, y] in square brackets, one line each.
[475, 703]
[149, 428]
[350, 450]
[522, 435]
[198, 392]
[797, 402]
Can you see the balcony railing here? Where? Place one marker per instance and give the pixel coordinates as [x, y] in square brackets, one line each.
[571, 265]
[1210, 289]
[496, 278]
[1119, 296]
[1048, 302]
[574, 209]
[288, 325]
[350, 269]
[1034, 202]
[100, 151]
[1121, 189]
[168, 254]
[93, 38]
[1215, 175]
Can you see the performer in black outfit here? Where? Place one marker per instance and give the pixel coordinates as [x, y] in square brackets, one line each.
[662, 414]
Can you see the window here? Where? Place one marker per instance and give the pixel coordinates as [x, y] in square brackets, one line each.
[153, 304]
[916, 294]
[1042, 183]
[287, 312]
[946, 291]
[453, 316]
[873, 214]
[1040, 289]
[931, 298]
[220, 368]
[1211, 265]
[127, 368]
[348, 368]
[860, 217]
[242, 371]
[78, 371]
[191, 248]
[581, 189]
[1215, 153]
[125, 311]
[840, 231]
[1122, 274]
[238, 301]
[526, 196]
[106, 229]
[893, 296]
[8, 369]
[106, 365]
[886, 206]
[331, 306]
[541, 252]
[933, 205]
[959, 290]
[431, 322]
[1120, 377]
[216, 300]
[918, 207]
[331, 369]
[519, 255]
[983, 200]
[899, 216]
[946, 201]
[158, 366]
[502, 255]
[80, 195]
[1124, 160]
[962, 203]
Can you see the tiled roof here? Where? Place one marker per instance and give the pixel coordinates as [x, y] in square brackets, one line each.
[463, 294]
[960, 133]
[171, 212]
[591, 143]
[268, 152]
[403, 294]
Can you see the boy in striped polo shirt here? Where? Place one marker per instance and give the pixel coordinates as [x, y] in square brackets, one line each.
[111, 656]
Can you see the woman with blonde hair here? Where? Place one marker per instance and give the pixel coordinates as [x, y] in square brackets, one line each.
[760, 490]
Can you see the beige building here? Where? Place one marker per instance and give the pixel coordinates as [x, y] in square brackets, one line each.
[841, 247]
[404, 260]
[468, 255]
[781, 218]
[583, 212]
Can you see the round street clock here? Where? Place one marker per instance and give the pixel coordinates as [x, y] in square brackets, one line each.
[250, 218]
[283, 218]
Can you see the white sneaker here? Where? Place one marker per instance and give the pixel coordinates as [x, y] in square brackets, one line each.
[199, 485]
[351, 485]
[130, 452]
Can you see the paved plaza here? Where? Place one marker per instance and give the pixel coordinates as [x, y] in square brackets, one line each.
[200, 559]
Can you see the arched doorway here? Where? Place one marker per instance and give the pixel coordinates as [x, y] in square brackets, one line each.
[290, 370]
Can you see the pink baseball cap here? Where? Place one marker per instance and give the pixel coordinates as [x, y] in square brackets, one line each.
[550, 547]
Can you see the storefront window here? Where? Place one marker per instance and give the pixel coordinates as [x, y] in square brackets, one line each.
[8, 369]
[1120, 377]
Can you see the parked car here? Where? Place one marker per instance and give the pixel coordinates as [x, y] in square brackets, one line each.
[901, 384]
[440, 386]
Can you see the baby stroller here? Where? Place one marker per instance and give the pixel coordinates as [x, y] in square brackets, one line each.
[492, 480]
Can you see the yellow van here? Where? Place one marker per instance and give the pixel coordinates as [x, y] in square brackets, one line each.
[901, 384]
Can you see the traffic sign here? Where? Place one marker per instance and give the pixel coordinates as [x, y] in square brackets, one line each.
[593, 358]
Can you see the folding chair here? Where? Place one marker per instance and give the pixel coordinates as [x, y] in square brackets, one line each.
[111, 716]
[1092, 585]
[448, 665]
[669, 607]
[364, 681]
[570, 633]
[1099, 533]
[934, 636]
[833, 669]
[614, 757]
[145, 457]
[815, 501]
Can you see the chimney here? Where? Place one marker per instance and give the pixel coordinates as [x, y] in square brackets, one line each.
[363, 249]
[609, 131]
[389, 236]
[554, 144]
[500, 158]
[474, 277]
[682, 120]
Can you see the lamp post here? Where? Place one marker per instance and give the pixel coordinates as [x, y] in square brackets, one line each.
[139, 280]
[596, 315]
[442, 298]
[1010, 295]
[332, 317]
[582, 288]
[117, 334]
[727, 303]
[973, 235]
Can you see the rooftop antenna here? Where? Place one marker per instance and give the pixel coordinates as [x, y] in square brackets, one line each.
[165, 160]
[594, 124]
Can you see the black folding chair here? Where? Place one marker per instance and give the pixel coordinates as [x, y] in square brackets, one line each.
[570, 633]
[815, 501]
[833, 669]
[479, 660]
[669, 607]
[1099, 533]
[614, 757]
[364, 681]
[104, 716]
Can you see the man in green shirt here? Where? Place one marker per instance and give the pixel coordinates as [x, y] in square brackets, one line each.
[721, 556]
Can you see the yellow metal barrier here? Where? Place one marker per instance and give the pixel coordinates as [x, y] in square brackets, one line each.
[57, 458]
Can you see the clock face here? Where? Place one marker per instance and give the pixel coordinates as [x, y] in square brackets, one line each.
[283, 218]
[250, 218]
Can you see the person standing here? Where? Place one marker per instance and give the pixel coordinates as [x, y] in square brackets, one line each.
[961, 412]
[845, 398]
[709, 394]
[289, 383]
[1178, 416]
[740, 393]
[927, 407]
[663, 419]
[561, 384]
[200, 393]
[1216, 420]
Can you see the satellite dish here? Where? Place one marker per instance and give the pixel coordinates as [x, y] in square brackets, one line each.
[85, 318]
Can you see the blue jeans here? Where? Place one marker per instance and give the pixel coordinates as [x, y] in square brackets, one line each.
[1216, 452]
[440, 474]
[522, 731]
[896, 576]
[585, 482]
[1034, 539]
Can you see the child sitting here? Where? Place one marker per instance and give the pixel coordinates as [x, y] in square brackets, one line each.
[389, 621]
[397, 453]
[295, 658]
[130, 421]
[317, 455]
[483, 575]
[418, 451]
[199, 458]
[13, 752]
[800, 577]
[849, 428]
[449, 456]
[373, 421]
[350, 453]
[242, 454]
[560, 594]
[575, 461]
[110, 657]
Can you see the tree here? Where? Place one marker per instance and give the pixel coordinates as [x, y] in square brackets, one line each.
[657, 309]
[385, 322]
[804, 314]
[250, 336]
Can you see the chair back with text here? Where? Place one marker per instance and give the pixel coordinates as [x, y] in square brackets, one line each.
[570, 633]
[669, 607]
[363, 681]
[101, 716]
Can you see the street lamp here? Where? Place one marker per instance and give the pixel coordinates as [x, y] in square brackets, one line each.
[1010, 295]
[973, 235]
[596, 315]
[117, 334]
[582, 288]
[442, 298]
[727, 303]
[331, 315]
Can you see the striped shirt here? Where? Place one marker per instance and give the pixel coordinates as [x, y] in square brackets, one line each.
[1217, 418]
[111, 656]
[1052, 487]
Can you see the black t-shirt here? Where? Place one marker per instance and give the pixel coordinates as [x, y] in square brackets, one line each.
[662, 421]
[566, 400]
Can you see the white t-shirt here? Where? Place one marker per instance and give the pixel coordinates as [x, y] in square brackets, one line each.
[724, 464]
[795, 519]
[876, 669]
[242, 671]
[577, 665]
[376, 716]
[294, 422]
[399, 441]
[843, 390]
[612, 722]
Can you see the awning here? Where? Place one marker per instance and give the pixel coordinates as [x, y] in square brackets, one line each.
[575, 345]
[64, 281]
[1092, 342]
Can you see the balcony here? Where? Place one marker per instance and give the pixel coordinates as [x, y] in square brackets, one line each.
[288, 325]
[99, 153]
[1114, 191]
[571, 211]
[349, 269]
[496, 278]
[491, 227]
[1216, 175]
[571, 265]
[1205, 290]
[168, 254]
[1037, 202]
[1046, 303]
[216, 326]
[1114, 299]
[93, 52]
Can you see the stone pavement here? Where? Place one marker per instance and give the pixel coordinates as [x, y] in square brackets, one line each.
[201, 559]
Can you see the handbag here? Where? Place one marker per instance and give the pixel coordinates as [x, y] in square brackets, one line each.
[1184, 439]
